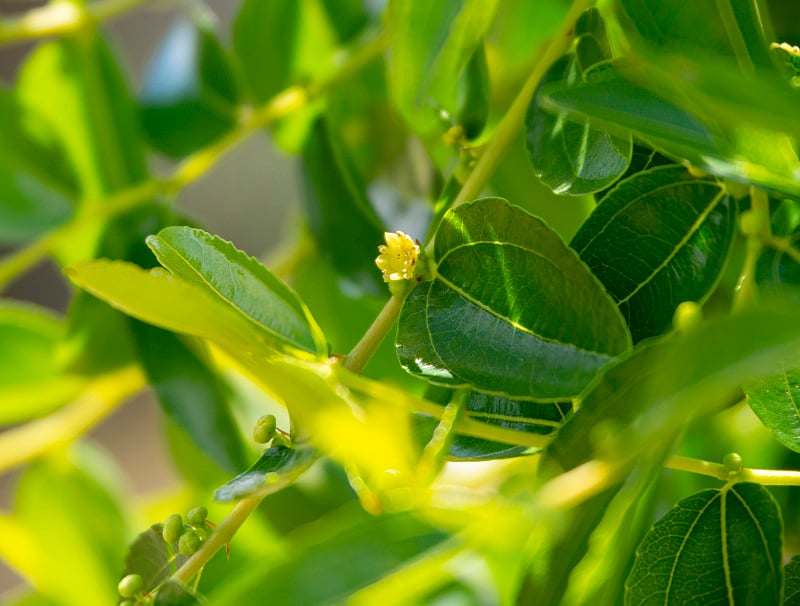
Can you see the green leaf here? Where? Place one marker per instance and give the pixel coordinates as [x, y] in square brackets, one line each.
[31, 382]
[791, 589]
[158, 298]
[343, 222]
[511, 311]
[734, 534]
[189, 97]
[432, 44]
[659, 238]
[776, 401]
[239, 281]
[571, 157]
[51, 494]
[150, 557]
[373, 549]
[519, 415]
[277, 467]
[728, 28]
[192, 393]
[173, 593]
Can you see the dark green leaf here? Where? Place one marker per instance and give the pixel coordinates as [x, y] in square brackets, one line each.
[235, 279]
[519, 415]
[173, 593]
[150, 557]
[643, 158]
[344, 224]
[659, 238]
[189, 96]
[732, 536]
[348, 17]
[776, 401]
[192, 394]
[277, 467]
[791, 589]
[511, 310]
[571, 157]
[432, 44]
[316, 576]
[474, 107]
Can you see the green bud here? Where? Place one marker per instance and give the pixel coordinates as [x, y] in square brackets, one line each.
[196, 516]
[189, 543]
[753, 224]
[203, 532]
[173, 528]
[688, 316]
[130, 585]
[264, 429]
[127, 603]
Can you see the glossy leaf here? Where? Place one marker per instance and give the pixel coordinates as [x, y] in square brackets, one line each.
[276, 468]
[519, 415]
[791, 576]
[511, 310]
[373, 549]
[776, 401]
[659, 238]
[340, 216]
[31, 382]
[571, 157]
[158, 298]
[192, 393]
[432, 44]
[734, 534]
[237, 280]
[189, 96]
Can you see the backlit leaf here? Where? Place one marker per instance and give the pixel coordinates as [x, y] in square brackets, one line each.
[776, 401]
[732, 535]
[239, 281]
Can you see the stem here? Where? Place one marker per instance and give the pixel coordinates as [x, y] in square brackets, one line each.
[512, 121]
[746, 289]
[221, 536]
[765, 477]
[191, 169]
[357, 359]
[60, 18]
[27, 442]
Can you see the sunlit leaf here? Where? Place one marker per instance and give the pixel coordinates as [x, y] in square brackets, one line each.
[237, 280]
[482, 321]
[776, 401]
[734, 533]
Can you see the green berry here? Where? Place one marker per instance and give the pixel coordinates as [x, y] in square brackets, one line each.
[733, 462]
[130, 585]
[173, 528]
[264, 429]
[189, 543]
[196, 516]
[203, 532]
[127, 603]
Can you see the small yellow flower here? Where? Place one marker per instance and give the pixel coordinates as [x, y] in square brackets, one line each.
[398, 257]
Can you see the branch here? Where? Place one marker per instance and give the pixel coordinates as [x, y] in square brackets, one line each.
[103, 395]
[60, 18]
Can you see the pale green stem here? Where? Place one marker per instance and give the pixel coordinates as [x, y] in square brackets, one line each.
[191, 169]
[357, 359]
[765, 477]
[746, 289]
[60, 18]
[102, 396]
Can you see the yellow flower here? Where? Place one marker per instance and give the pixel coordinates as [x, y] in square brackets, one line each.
[398, 257]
